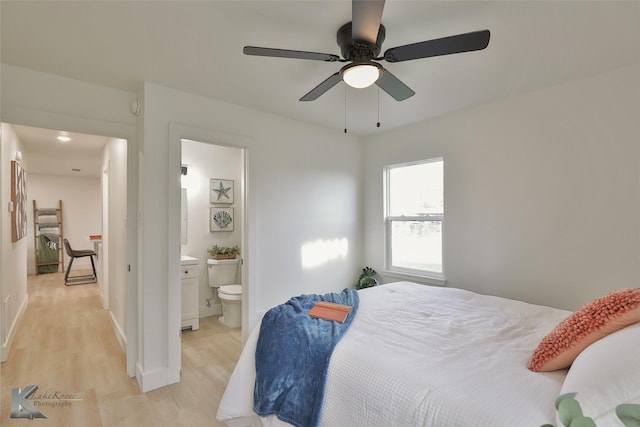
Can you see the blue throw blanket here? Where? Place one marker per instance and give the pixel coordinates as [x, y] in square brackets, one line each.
[292, 357]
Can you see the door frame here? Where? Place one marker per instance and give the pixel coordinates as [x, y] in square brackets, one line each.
[177, 133]
[50, 120]
[104, 256]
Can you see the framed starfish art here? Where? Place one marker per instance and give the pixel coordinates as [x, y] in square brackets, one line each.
[221, 191]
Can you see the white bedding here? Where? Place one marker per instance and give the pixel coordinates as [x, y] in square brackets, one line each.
[418, 355]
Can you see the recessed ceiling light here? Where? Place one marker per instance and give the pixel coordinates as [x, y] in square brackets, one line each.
[63, 138]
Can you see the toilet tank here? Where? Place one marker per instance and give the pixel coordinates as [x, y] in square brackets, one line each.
[222, 271]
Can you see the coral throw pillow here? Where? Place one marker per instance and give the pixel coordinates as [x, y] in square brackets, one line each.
[593, 321]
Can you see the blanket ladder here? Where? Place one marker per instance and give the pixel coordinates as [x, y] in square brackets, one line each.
[47, 238]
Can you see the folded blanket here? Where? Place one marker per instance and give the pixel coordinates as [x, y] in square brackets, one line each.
[292, 356]
[48, 252]
[54, 240]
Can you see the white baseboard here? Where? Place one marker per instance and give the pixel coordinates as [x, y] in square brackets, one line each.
[214, 310]
[6, 346]
[117, 330]
[152, 380]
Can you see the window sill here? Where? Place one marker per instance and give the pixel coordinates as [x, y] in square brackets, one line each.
[427, 280]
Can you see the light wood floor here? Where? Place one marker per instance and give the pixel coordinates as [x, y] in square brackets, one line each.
[65, 345]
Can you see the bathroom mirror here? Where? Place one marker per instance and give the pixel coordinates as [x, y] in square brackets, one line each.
[183, 216]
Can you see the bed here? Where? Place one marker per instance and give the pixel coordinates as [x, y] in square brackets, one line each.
[419, 355]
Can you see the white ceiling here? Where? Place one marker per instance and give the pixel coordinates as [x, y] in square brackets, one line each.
[44, 154]
[196, 46]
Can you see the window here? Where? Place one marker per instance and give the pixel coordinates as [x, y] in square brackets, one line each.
[413, 217]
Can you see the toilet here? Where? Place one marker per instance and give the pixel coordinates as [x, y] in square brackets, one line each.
[223, 276]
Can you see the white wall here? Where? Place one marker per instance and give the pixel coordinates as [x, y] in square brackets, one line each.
[2, 159]
[14, 254]
[542, 191]
[303, 184]
[115, 160]
[81, 212]
[206, 161]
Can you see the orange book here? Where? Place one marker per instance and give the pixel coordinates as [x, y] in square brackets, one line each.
[330, 311]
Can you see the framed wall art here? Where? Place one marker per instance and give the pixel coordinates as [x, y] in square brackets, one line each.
[221, 191]
[19, 200]
[221, 219]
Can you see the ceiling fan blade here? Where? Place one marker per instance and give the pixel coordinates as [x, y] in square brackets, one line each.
[285, 53]
[393, 86]
[315, 93]
[467, 42]
[365, 17]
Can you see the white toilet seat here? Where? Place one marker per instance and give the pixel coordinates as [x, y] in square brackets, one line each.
[230, 292]
[231, 289]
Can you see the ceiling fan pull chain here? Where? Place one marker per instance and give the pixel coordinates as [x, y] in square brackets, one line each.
[378, 124]
[345, 108]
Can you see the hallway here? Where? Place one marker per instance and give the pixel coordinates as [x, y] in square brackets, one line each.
[65, 345]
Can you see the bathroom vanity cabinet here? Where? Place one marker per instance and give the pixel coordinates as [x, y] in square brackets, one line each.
[189, 291]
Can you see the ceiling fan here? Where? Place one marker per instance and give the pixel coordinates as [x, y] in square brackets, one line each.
[360, 42]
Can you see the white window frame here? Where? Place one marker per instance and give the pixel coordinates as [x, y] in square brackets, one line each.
[427, 276]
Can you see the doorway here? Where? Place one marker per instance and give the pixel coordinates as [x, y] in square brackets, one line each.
[200, 237]
[72, 169]
[205, 169]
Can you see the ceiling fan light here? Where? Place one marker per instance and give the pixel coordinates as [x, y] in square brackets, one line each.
[361, 75]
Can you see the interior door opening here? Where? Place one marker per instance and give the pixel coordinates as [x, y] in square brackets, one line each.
[89, 174]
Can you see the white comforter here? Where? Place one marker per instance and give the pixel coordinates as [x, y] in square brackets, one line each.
[418, 355]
